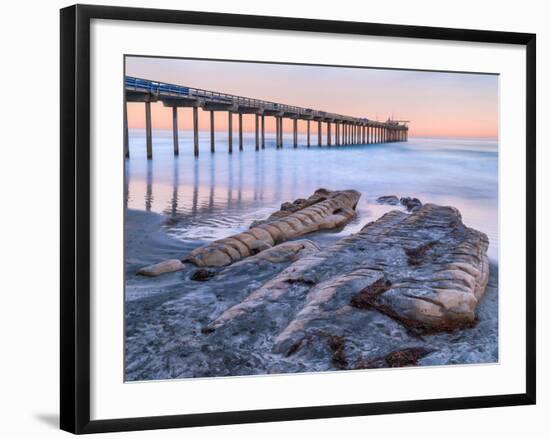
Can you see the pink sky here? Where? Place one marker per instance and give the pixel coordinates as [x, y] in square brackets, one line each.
[437, 104]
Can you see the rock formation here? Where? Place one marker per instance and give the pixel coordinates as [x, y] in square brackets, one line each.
[426, 270]
[324, 210]
[285, 252]
[412, 204]
[388, 199]
[162, 267]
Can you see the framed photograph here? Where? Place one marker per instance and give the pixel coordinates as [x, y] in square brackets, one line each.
[272, 218]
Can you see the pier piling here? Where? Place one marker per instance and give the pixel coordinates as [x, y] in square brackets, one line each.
[240, 131]
[126, 137]
[175, 130]
[212, 131]
[230, 132]
[148, 130]
[263, 131]
[276, 133]
[196, 131]
[257, 131]
[346, 134]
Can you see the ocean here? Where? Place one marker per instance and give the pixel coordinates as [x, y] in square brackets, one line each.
[220, 194]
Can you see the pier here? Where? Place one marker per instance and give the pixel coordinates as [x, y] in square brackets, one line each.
[340, 129]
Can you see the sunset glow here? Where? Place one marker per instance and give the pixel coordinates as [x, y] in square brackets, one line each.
[437, 104]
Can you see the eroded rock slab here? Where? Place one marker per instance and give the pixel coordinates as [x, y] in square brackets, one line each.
[388, 199]
[167, 266]
[324, 210]
[285, 252]
[289, 208]
[411, 204]
[426, 270]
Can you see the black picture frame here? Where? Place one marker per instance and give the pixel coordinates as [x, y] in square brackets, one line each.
[75, 217]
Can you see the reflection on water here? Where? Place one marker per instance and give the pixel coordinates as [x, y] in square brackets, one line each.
[220, 194]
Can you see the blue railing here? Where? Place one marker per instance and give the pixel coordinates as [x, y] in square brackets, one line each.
[155, 87]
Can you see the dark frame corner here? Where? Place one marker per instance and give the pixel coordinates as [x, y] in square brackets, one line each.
[75, 214]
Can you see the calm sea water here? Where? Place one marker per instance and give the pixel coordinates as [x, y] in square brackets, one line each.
[220, 194]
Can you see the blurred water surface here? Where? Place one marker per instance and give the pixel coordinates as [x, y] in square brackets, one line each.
[218, 194]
